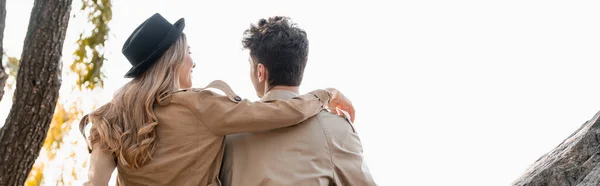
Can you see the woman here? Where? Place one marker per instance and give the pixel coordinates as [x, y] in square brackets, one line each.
[158, 131]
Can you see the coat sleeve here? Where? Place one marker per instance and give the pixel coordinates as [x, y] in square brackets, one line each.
[346, 151]
[229, 114]
[102, 165]
[350, 167]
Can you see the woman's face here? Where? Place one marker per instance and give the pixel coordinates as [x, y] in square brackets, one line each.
[185, 75]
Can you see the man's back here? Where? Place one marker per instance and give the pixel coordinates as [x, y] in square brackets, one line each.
[323, 150]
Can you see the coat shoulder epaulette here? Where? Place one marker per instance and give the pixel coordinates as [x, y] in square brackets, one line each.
[219, 85]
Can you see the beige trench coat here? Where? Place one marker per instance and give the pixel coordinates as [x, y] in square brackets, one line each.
[324, 150]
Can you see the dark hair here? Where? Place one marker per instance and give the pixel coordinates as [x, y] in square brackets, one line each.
[281, 47]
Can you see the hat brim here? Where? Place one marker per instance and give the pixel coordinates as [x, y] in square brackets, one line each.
[169, 39]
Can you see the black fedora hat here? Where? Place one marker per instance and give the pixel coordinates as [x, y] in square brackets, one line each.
[149, 41]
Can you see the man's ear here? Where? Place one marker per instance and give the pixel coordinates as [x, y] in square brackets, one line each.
[261, 72]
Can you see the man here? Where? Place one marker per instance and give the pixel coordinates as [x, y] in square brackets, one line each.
[323, 150]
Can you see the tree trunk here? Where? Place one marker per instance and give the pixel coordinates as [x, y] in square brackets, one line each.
[576, 161]
[3, 75]
[38, 82]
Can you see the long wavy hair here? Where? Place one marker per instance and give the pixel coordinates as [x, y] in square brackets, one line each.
[126, 125]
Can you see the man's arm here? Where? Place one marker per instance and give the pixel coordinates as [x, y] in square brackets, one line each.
[346, 152]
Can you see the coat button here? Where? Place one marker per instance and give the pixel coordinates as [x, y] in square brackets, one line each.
[237, 98]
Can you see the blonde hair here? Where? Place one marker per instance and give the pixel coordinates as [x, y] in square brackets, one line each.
[126, 125]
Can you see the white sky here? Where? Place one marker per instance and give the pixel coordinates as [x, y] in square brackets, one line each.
[446, 92]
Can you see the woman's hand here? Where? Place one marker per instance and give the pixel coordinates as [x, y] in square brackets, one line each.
[340, 102]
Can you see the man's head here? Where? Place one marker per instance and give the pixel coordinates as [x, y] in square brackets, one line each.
[278, 53]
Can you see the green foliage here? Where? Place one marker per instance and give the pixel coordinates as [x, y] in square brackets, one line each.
[89, 56]
[12, 67]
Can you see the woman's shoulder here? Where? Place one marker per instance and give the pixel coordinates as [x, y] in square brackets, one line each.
[208, 93]
[193, 94]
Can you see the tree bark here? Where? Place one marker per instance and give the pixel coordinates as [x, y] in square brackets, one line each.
[576, 161]
[3, 75]
[38, 83]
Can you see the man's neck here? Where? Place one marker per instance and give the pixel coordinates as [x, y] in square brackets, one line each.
[295, 89]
